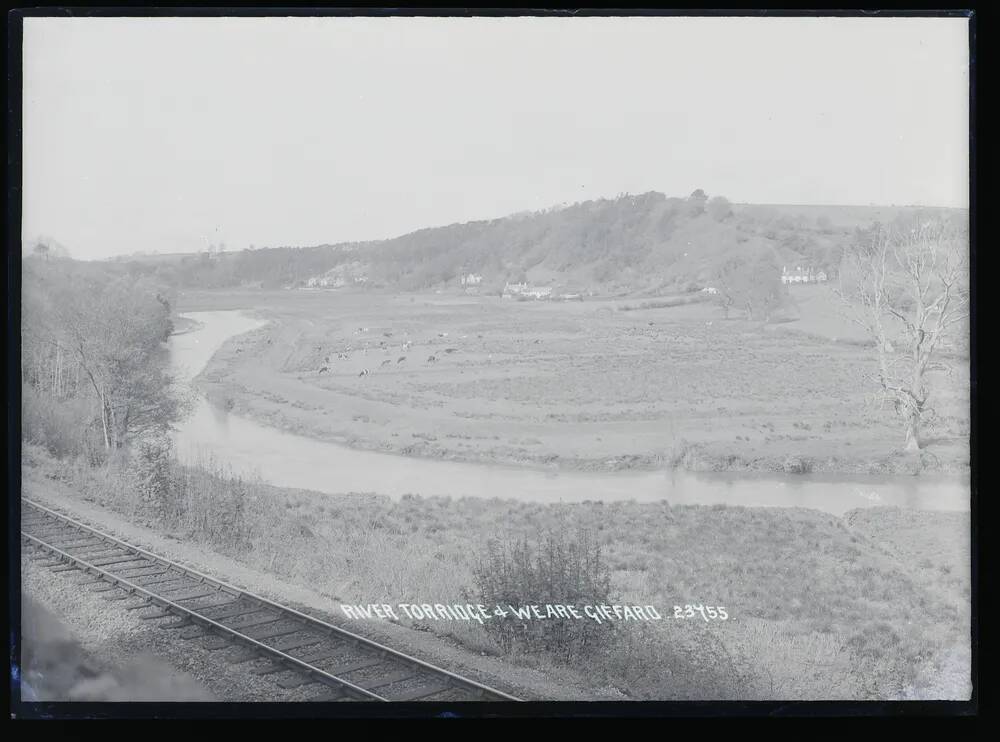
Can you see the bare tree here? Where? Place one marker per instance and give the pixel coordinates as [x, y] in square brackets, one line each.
[908, 286]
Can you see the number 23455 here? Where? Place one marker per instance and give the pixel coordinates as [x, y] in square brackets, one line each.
[707, 612]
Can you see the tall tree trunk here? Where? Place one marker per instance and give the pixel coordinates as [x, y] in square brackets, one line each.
[913, 431]
[915, 408]
[105, 413]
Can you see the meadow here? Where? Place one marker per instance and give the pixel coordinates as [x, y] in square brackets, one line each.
[591, 385]
[872, 605]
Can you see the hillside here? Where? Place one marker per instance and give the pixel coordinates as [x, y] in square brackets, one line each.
[629, 244]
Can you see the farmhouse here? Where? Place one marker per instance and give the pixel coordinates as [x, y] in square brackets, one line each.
[538, 292]
[339, 277]
[802, 275]
[526, 291]
[471, 279]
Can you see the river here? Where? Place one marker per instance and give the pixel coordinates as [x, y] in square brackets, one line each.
[288, 460]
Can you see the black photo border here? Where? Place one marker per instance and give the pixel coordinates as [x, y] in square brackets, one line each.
[534, 709]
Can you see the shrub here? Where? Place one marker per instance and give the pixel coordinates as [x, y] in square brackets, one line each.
[559, 569]
[63, 426]
[683, 455]
[217, 507]
[152, 462]
[719, 208]
[878, 661]
[796, 465]
[112, 484]
[678, 662]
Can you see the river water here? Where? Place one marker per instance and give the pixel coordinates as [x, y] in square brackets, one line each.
[288, 460]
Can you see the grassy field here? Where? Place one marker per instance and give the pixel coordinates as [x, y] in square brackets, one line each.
[874, 605]
[582, 385]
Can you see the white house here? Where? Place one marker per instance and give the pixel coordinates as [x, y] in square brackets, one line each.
[472, 279]
[538, 292]
[802, 275]
[513, 289]
[523, 289]
[339, 277]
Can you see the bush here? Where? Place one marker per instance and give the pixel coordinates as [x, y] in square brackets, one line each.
[156, 488]
[112, 484]
[215, 506]
[797, 465]
[678, 662]
[719, 208]
[683, 455]
[64, 427]
[559, 570]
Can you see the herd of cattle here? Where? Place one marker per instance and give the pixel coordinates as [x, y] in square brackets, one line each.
[384, 346]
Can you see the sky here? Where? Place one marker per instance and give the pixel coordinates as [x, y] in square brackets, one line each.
[173, 134]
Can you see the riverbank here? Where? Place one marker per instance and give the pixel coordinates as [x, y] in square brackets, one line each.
[566, 387]
[184, 325]
[872, 605]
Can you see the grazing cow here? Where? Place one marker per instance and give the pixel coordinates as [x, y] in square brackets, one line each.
[365, 372]
[324, 369]
[432, 359]
[401, 359]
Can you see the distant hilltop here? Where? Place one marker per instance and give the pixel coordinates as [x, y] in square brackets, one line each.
[632, 243]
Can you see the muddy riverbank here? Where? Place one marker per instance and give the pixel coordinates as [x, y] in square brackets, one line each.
[567, 388]
[242, 435]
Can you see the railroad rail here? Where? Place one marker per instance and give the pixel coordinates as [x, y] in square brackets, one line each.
[301, 650]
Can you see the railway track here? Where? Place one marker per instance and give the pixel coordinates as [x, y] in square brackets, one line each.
[300, 650]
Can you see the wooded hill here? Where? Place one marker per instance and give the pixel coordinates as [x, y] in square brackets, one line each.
[631, 244]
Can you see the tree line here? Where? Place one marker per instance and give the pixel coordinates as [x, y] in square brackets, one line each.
[632, 240]
[94, 367]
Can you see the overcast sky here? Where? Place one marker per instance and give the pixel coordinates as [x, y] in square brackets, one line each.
[166, 135]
